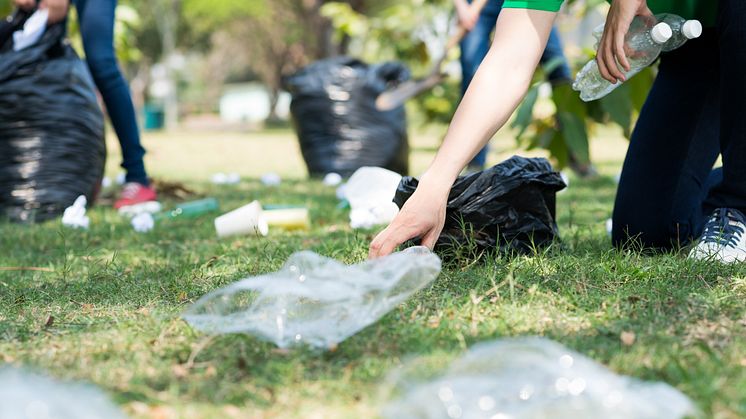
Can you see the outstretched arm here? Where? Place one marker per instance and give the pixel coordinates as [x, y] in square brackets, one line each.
[495, 92]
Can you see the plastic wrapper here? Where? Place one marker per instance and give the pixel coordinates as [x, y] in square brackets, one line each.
[369, 192]
[52, 146]
[334, 113]
[27, 395]
[314, 300]
[531, 378]
[511, 206]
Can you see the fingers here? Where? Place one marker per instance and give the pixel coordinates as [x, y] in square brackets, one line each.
[385, 242]
[601, 61]
[621, 56]
[25, 4]
[431, 238]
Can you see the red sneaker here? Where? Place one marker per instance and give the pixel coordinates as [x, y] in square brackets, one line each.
[134, 194]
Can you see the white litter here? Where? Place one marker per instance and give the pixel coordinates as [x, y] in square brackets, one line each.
[332, 179]
[32, 31]
[565, 178]
[106, 182]
[226, 178]
[271, 179]
[75, 215]
[370, 192]
[149, 207]
[341, 192]
[314, 300]
[533, 378]
[609, 226]
[143, 222]
[121, 179]
[32, 396]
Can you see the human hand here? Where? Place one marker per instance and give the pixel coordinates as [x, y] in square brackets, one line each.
[423, 216]
[611, 57]
[468, 16]
[25, 4]
[57, 9]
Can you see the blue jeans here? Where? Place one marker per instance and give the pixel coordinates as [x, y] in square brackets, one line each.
[694, 112]
[476, 44]
[97, 29]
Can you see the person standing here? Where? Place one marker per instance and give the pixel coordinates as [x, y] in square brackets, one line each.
[96, 18]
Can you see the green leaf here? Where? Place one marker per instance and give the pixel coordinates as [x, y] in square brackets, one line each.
[575, 136]
[619, 107]
[558, 149]
[525, 111]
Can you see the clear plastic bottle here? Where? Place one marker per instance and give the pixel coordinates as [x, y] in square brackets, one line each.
[643, 44]
[683, 30]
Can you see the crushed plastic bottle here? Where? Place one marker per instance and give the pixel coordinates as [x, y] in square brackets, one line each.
[643, 44]
[531, 378]
[370, 192]
[27, 395]
[75, 215]
[315, 300]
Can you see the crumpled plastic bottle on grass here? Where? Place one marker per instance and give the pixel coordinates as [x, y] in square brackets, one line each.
[532, 378]
[315, 300]
[28, 395]
[75, 215]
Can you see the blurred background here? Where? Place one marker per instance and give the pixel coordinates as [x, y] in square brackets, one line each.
[206, 78]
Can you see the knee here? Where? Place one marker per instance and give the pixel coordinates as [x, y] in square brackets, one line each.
[103, 66]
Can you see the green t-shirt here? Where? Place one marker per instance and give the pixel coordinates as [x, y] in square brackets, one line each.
[703, 10]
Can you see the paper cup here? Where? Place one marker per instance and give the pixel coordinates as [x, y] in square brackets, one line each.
[247, 220]
[288, 218]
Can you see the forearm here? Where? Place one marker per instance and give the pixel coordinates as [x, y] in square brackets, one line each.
[495, 92]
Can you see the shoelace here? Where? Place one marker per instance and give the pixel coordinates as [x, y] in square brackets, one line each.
[721, 230]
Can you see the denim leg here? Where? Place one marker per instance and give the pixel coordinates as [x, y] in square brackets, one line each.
[668, 168]
[552, 52]
[97, 30]
[731, 29]
[474, 48]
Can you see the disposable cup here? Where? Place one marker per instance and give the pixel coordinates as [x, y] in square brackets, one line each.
[247, 220]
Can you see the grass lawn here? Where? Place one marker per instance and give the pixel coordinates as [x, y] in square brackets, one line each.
[107, 308]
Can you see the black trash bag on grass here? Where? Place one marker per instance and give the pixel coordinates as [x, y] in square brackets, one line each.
[338, 126]
[52, 147]
[511, 206]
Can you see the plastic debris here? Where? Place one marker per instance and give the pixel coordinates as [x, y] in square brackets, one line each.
[106, 182]
[28, 395]
[149, 207]
[121, 179]
[226, 178]
[288, 219]
[271, 179]
[609, 226]
[332, 179]
[246, 220]
[334, 113]
[370, 192]
[75, 215]
[511, 206]
[315, 300]
[565, 178]
[533, 378]
[341, 192]
[32, 30]
[192, 209]
[143, 222]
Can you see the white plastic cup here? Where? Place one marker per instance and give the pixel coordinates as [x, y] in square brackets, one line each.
[247, 220]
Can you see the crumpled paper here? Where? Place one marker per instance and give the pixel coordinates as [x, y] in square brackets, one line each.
[531, 378]
[314, 300]
[143, 222]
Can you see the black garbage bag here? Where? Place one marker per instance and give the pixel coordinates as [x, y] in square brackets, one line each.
[52, 146]
[511, 206]
[338, 126]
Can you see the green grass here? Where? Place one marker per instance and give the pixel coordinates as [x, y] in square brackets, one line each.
[108, 309]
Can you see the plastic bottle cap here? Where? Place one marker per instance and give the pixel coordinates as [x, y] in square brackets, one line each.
[692, 29]
[661, 33]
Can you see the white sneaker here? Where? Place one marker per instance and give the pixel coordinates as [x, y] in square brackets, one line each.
[724, 238]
